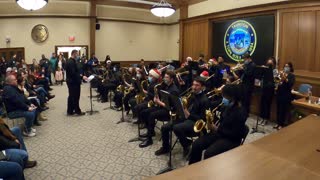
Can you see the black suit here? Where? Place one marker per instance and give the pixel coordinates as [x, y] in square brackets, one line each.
[73, 82]
[228, 135]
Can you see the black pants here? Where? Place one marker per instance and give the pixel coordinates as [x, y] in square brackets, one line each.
[104, 89]
[139, 108]
[165, 130]
[265, 102]
[247, 93]
[283, 107]
[118, 98]
[126, 100]
[73, 98]
[213, 144]
[161, 114]
[184, 130]
[133, 103]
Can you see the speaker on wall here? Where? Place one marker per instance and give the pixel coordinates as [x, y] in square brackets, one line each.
[97, 26]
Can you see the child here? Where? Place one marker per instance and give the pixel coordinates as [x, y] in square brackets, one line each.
[59, 76]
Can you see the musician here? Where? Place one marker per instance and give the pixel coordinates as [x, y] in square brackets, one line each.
[111, 80]
[127, 83]
[108, 59]
[215, 69]
[284, 96]
[136, 84]
[143, 67]
[153, 79]
[247, 79]
[196, 110]
[158, 112]
[230, 131]
[268, 86]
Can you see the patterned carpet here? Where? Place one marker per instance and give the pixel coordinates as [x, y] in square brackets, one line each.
[95, 147]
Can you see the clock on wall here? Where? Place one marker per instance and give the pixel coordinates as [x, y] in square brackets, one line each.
[40, 33]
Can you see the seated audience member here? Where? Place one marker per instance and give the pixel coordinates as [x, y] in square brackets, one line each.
[11, 170]
[230, 131]
[12, 144]
[18, 106]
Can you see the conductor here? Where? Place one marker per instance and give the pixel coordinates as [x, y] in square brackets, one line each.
[74, 85]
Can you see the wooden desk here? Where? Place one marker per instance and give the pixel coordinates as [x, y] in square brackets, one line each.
[244, 163]
[297, 143]
[289, 154]
[306, 108]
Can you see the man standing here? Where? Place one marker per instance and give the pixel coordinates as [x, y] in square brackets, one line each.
[74, 85]
[53, 63]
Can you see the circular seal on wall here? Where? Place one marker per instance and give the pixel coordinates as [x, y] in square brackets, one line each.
[240, 38]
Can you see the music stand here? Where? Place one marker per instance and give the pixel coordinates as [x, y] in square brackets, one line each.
[261, 73]
[91, 111]
[178, 107]
[122, 119]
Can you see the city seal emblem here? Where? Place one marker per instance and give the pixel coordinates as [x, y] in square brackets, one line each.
[240, 38]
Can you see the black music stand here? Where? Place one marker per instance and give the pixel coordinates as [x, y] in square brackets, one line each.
[261, 73]
[122, 119]
[91, 111]
[178, 107]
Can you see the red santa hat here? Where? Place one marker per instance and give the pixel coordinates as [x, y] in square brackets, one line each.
[155, 73]
[204, 74]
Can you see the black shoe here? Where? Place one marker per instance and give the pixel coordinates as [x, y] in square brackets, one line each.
[70, 114]
[51, 96]
[30, 164]
[146, 143]
[80, 113]
[162, 151]
[37, 123]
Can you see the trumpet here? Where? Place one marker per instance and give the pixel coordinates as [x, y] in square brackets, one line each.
[237, 67]
[209, 123]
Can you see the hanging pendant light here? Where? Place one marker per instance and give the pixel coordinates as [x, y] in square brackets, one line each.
[32, 5]
[162, 9]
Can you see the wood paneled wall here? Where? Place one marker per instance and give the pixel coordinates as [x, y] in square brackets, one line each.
[298, 38]
[195, 39]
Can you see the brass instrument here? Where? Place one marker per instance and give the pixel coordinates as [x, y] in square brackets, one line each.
[209, 123]
[140, 97]
[186, 98]
[156, 93]
[237, 67]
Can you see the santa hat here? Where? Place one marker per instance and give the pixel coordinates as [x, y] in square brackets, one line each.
[155, 73]
[108, 62]
[9, 69]
[204, 74]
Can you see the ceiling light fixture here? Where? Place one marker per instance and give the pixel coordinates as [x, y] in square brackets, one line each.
[32, 5]
[162, 9]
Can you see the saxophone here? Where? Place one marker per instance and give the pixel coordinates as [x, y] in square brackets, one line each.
[156, 93]
[209, 123]
[140, 97]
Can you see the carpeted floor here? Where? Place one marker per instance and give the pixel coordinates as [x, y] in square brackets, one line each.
[95, 147]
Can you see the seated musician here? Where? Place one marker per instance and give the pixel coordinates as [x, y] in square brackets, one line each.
[137, 85]
[153, 79]
[215, 69]
[284, 96]
[230, 131]
[159, 111]
[111, 81]
[127, 84]
[183, 127]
